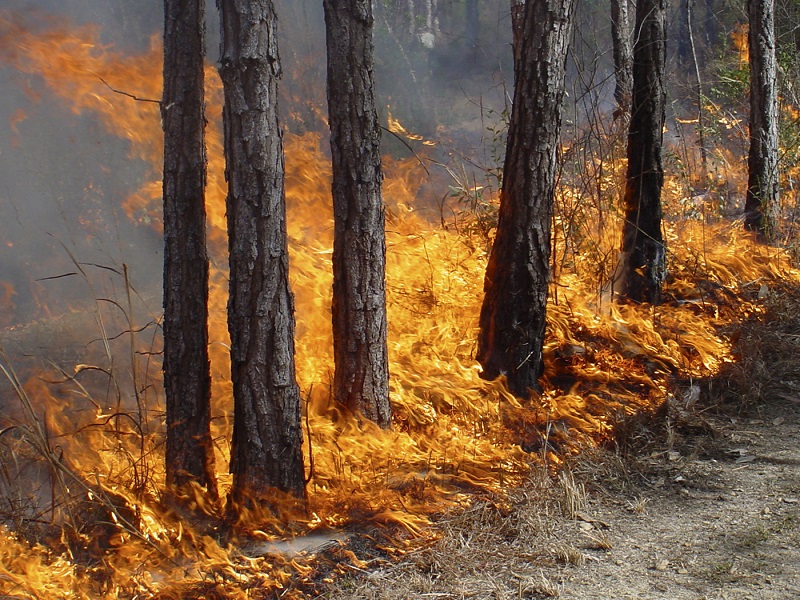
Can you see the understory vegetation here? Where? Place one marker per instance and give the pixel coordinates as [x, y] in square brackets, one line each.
[466, 495]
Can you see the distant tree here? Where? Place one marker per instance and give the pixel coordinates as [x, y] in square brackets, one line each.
[623, 54]
[512, 319]
[187, 378]
[642, 266]
[266, 452]
[361, 375]
[416, 19]
[682, 34]
[762, 162]
[472, 26]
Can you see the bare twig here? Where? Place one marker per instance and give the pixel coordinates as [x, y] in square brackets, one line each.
[128, 94]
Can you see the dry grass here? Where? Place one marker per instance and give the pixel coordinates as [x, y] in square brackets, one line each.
[492, 549]
[521, 547]
[573, 494]
[638, 505]
[766, 351]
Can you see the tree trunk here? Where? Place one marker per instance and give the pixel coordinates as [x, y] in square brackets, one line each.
[711, 27]
[361, 375]
[623, 55]
[517, 27]
[512, 319]
[266, 450]
[683, 49]
[187, 378]
[642, 266]
[762, 162]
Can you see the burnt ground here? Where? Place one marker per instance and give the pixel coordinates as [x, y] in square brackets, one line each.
[703, 503]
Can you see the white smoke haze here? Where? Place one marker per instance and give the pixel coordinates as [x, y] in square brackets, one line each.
[64, 176]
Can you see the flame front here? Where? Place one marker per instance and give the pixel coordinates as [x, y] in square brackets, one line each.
[454, 434]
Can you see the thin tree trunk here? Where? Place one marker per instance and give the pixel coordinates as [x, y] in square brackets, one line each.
[701, 128]
[187, 378]
[762, 183]
[642, 266]
[361, 375]
[623, 54]
[512, 319]
[266, 450]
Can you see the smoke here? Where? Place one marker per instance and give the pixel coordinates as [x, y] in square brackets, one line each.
[65, 176]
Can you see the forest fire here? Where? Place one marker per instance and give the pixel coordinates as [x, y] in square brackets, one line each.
[81, 444]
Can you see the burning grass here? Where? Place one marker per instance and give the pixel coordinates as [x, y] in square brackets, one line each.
[81, 486]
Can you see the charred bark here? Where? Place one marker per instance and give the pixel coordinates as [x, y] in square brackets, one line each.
[187, 378]
[623, 54]
[361, 374]
[512, 319]
[266, 450]
[762, 161]
[642, 266]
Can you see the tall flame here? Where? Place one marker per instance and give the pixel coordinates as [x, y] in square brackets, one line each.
[454, 433]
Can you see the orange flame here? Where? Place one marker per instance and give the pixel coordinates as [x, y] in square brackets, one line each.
[7, 292]
[453, 433]
[739, 38]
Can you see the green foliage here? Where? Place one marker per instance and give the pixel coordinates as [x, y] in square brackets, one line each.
[732, 82]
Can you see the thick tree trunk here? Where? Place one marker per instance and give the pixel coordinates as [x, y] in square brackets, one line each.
[512, 319]
[623, 54]
[642, 266]
[762, 162]
[187, 378]
[361, 375]
[517, 27]
[266, 450]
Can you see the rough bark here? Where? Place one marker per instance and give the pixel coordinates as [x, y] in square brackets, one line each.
[642, 266]
[512, 319]
[762, 162]
[623, 54]
[517, 25]
[187, 378]
[266, 450]
[361, 374]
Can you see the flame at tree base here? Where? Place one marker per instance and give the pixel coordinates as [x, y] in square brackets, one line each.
[85, 477]
[456, 437]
